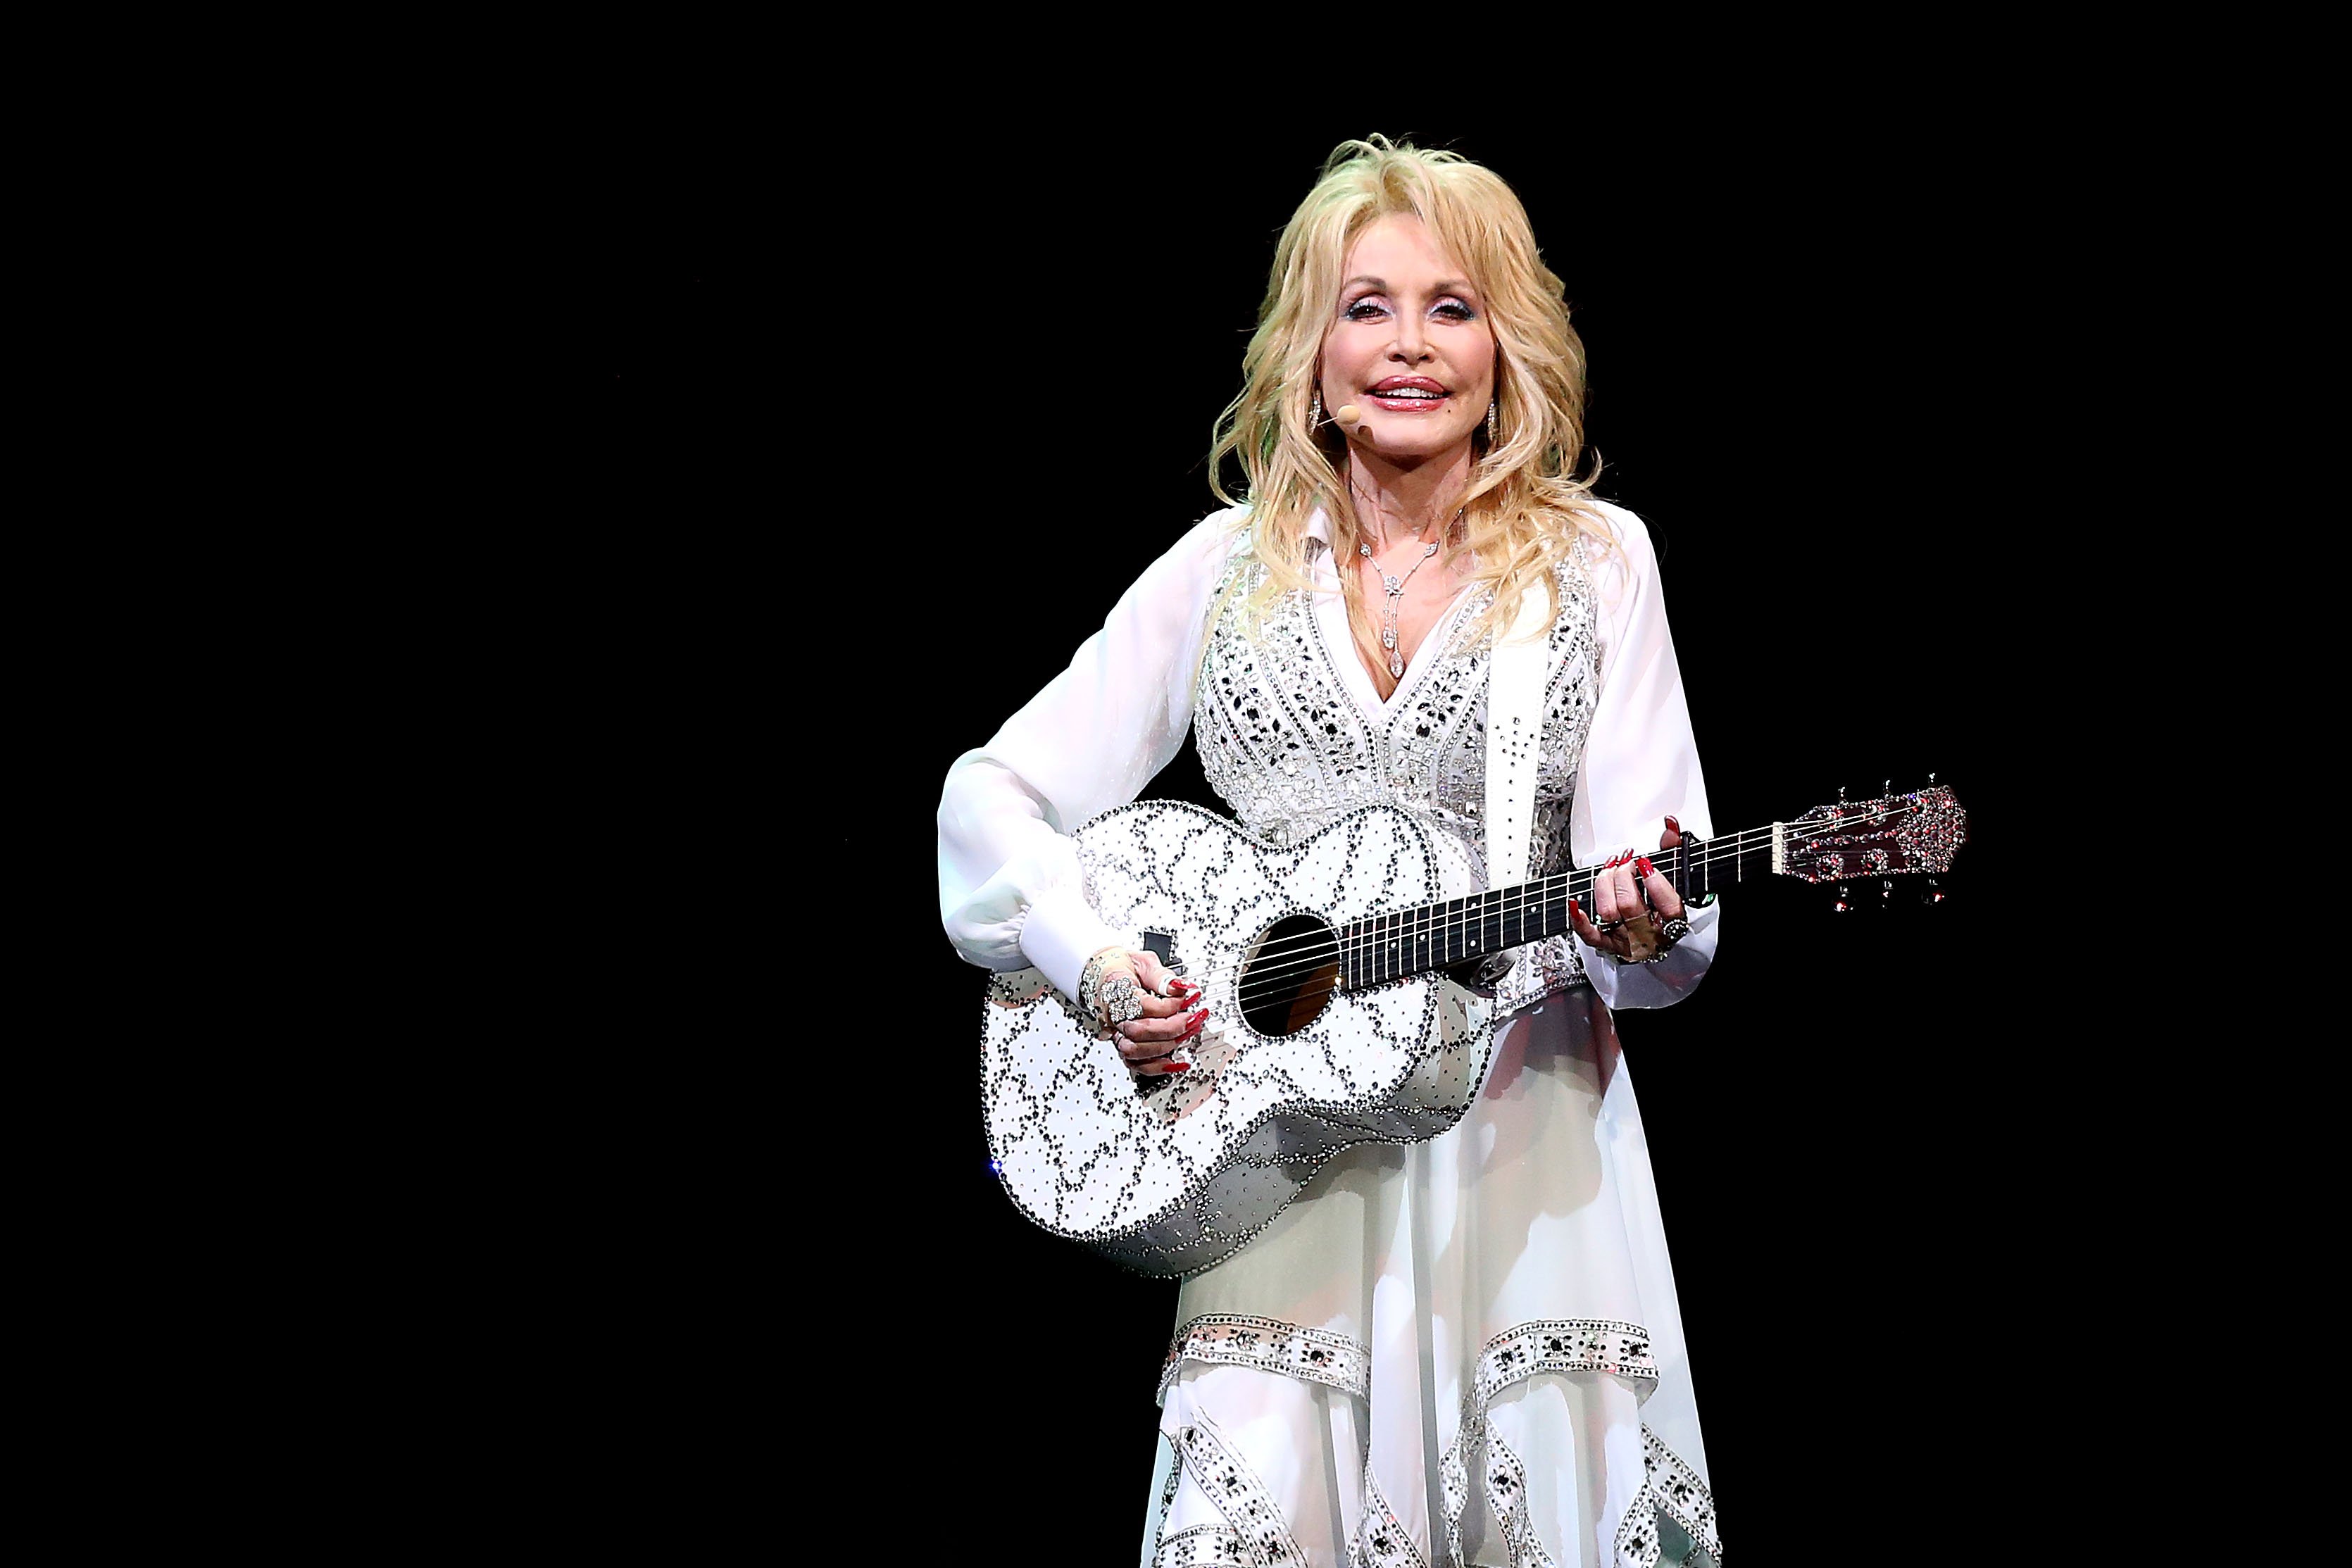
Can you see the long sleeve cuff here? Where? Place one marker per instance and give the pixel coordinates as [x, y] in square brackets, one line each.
[1666, 982]
[1062, 932]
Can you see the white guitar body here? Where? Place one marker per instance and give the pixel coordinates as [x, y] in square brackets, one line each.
[1174, 1181]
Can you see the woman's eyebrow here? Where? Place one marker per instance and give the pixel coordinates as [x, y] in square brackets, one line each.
[1445, 284]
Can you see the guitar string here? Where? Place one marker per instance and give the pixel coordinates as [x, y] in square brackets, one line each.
[1311, 950]
[1707, 852]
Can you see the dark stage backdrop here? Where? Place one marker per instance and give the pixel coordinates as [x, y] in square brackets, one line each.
[899, 498]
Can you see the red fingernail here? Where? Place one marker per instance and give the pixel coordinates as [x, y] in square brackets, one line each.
[1180, 1067]
[1196, 1026]
[1645, 863]
[1573, 910]
[1672, 824]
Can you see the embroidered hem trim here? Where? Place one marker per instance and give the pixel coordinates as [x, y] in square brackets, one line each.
[1227, 1481]
[1682, 1497]
[1202, 1546]
[1507, 1498]
[1380, 1540]
[1315, 1355]
[1259, 1537]
[1545, 1345]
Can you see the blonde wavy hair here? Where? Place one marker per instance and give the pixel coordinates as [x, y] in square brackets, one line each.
[1526, 500]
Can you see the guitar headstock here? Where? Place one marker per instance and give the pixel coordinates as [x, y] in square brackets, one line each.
[1893, 834]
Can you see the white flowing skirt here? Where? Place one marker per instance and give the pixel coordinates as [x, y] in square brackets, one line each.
[1465, 1351]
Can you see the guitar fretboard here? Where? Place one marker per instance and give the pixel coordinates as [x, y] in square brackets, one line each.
[1383, 947]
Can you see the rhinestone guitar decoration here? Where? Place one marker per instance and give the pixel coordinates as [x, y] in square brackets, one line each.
[1330, 1020]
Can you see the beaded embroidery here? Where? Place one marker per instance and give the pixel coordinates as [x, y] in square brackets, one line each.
[1227, 1481]
[1544, 1345]
[1507, 1498]
[1679, 1494]
[1550, 1345]
[1315, 1355]
[1202, 1546]
[1288, 749]
[1380, 1540]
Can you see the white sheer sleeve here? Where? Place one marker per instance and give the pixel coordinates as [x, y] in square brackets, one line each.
[1640, 762]
[1009, 882]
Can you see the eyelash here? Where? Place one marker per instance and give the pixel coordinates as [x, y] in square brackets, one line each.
[1459, 311]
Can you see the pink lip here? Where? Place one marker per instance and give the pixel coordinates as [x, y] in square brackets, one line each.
[1410, 405]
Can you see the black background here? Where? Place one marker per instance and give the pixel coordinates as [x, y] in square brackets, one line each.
[855, 460]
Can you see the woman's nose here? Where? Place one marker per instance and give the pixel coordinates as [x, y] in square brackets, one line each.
[1410, 345]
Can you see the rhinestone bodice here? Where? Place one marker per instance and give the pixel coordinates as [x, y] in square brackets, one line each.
[1287, 746]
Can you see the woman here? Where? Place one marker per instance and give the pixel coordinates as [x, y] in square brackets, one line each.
[1499, 1369]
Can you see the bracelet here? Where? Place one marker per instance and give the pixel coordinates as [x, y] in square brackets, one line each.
[1641, 939]
[1661, 939]
[1111, 1001]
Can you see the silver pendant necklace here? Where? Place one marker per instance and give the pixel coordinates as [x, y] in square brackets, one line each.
[1395, 585]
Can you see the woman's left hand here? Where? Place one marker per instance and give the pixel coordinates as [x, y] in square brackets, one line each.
[1627, 928]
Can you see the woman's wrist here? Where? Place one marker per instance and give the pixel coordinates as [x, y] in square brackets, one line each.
[1107, 987]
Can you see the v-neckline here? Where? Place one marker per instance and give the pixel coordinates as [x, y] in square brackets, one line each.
[1339, 647]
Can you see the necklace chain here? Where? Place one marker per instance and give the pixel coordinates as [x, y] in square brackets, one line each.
[1395, 586]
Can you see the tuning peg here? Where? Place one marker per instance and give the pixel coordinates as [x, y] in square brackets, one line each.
[1843, 905]
[1886, 786]
[1931, 895]
[1931, 780]
[1886, 890]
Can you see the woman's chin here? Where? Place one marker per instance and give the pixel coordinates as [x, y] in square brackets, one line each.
[1410, 443]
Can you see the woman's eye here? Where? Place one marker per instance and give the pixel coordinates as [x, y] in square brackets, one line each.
[1361, 310]
[1455, 310]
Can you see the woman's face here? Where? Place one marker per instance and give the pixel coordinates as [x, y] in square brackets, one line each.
[1408, 343]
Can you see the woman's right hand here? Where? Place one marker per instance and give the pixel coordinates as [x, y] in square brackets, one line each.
[1174, 1011]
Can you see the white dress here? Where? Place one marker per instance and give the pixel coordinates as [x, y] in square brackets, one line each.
[1462, 1351]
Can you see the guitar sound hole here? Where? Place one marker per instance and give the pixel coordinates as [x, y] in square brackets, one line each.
[1289, 975]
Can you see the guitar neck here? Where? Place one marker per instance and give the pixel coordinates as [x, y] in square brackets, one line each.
[1383, 947]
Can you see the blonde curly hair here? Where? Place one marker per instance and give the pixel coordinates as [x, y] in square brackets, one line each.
[1527, 501]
